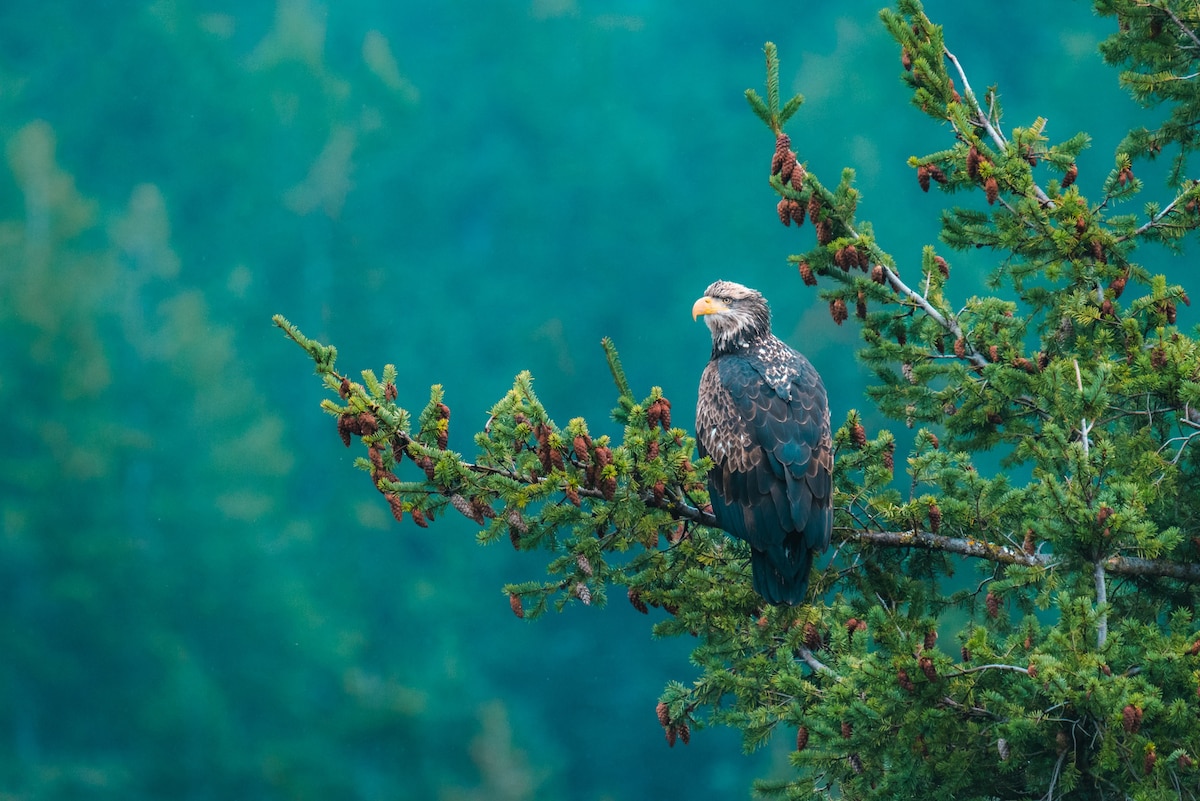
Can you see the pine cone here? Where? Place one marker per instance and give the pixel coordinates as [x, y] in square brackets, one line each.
[1070, 176]
[465, 508]
[784, 209]
[395, 505]
[802, 738]
[931, 638]
[991, 189]
[837, 310]
[664, 715]
[812, 638]
[787, 164]
[797, 181]
[993, 605]
[795, 208]
[344, 422]
[583, 593]
[923, 177]
[608, 488]
[905, 682]
[635, 600]
[974, 159]
[814, 207]
[824, 232]
[935, 520]
[514, 601]
[858, 436]
[1131, 719]
[806, 274]
[783, 143]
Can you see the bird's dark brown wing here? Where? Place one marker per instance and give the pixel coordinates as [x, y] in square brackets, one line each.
[772, 477]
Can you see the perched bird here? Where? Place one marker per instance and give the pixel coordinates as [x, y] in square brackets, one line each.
[763, 418]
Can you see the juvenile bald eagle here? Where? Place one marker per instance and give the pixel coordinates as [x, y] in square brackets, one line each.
[763, 418]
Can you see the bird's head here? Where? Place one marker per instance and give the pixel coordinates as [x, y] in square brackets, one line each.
[736, 315]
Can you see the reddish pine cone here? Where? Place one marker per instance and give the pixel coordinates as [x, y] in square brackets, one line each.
[812, 638]
[635, 600]
[858, 436]
[993, 605]
[991, 189]
[837, 310]
[806, 274]
[1131, 718]
[1070, 176]
[802, 738]
[923, 177]
[974, 159]
[514, 601]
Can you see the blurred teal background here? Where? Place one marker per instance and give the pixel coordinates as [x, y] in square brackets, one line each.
[200, 598]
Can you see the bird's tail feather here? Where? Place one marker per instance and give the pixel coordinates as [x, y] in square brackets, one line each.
[786, 586]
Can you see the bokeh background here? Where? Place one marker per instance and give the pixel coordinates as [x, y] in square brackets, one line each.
[200, 598]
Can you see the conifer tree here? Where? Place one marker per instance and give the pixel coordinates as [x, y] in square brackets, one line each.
[1012, 633]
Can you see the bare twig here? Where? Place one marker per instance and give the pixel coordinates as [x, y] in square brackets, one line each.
[985, 120]
[979, 668]
[813, 662]
[948, 323]
[1101, 600]
[1001, 554]
[1184, 29]
[1084, 428]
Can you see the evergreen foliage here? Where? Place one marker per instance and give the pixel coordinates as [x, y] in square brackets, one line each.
[1020, 632]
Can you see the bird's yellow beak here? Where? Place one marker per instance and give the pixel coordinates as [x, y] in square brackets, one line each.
[707, 305]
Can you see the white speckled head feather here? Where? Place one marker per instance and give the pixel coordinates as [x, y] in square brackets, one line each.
[736, 315]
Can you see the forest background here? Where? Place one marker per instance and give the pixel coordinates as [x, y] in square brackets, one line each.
[196, 601]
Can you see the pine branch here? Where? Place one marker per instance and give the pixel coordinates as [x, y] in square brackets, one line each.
[1003, 555]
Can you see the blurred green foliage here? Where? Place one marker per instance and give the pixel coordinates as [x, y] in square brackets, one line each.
[194, 600]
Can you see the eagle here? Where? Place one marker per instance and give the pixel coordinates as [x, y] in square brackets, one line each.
[762, 416]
